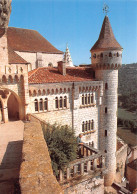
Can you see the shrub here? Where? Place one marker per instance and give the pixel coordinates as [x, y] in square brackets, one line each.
[62, 145]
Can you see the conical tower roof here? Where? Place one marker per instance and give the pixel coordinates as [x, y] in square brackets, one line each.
[106, 38]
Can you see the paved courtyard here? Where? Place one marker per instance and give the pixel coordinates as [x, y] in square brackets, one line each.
[11, 138]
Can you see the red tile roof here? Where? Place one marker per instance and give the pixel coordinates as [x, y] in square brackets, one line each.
[14, 58]
[52, 75]
[29, 41]
[106, 38]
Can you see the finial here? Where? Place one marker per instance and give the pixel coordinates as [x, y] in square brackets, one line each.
[67, 45]
[105, 9]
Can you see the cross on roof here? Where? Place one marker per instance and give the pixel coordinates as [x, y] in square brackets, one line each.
[105, 8]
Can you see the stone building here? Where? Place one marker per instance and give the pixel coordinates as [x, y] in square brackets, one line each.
[34, 79]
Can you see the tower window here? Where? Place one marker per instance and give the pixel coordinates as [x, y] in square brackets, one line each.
[117, 54]
[86, 99]
[92, 125]
[110, 54]
[106, 110]
[106, 86]
[94, 55]
[101, 55]
[105, 133]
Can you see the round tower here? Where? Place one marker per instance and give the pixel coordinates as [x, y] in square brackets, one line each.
[106, 56]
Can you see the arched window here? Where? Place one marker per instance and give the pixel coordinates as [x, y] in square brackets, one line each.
[106, 110]
[117, 54]
[89, 125]
[92, 99]
[36, 104]
[83, 126]
[106, 86]
[56, 102]
[110, 54]
[92, 124]
[10, 80]
[4, 80]
[88, 98]
[86, 127]
[41, 104]
[16, 79]
[34, 93]
[50, 65]
[82, 99]
[101, 55]
[65, 101]
[46, 104]
[60, 102]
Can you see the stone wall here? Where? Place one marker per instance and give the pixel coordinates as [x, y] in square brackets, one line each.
[74, 114]
[85, 186]
[36, 175]
[132, 178]
[46, 59]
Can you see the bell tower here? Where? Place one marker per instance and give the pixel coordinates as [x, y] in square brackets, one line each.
[106, 56]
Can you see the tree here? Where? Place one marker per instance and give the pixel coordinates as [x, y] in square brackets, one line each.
[62, 145]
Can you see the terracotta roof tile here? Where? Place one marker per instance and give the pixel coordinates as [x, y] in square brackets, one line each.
[106, 38]
[52, 75]
[14, 58]
[29, 41]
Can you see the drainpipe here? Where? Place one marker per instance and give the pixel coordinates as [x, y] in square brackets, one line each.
[73, 91]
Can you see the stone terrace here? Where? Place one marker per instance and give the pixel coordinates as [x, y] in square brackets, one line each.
[11, 138]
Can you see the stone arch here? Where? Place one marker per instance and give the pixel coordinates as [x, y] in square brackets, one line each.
[4, 79]
[13, 105]
[10, 79]
[16, 79]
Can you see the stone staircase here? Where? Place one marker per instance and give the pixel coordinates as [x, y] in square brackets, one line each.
[11, 139]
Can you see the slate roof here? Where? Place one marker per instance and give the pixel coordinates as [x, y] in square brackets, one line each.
[14, 58]
[29, 41]
[52, 75]
[106, 38]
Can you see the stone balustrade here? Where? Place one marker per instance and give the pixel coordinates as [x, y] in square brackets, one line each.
[91, 160]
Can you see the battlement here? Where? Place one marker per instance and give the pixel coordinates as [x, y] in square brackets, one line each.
[14, 69]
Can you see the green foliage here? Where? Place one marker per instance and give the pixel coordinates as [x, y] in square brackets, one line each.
[62, 145]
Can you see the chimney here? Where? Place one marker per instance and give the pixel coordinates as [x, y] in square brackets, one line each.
[62, 67]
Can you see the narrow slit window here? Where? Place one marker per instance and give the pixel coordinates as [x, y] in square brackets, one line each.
[92, 99]
[60, 102]
[83, 126]
[92, 125]
[41, 104]
[106, 110]
[88, 98]
[105, 133]
[36, 104]
[65, 101]
[56, 102]
[46, 104]
[82, 99]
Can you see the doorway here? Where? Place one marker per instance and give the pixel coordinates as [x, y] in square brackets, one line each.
[13, 108]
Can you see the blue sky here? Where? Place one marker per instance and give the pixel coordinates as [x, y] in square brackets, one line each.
[79, 22]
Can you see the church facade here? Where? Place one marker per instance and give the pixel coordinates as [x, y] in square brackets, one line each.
[35, 79]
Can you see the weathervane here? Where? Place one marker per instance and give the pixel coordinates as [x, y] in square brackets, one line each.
[105, 8]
